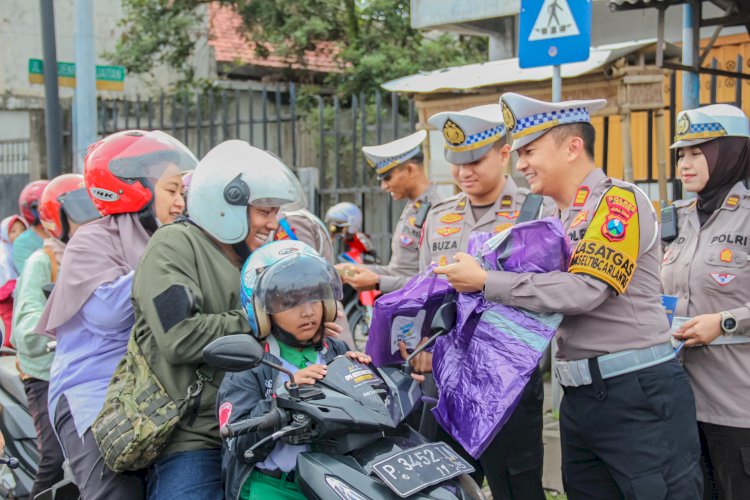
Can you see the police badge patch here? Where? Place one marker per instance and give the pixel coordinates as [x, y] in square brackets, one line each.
[453, 133]
[508, 117]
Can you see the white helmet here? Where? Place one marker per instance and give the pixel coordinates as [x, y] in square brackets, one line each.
[345, 214]
[232, 176]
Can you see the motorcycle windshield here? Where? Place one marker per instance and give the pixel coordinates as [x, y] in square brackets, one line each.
[360, 383]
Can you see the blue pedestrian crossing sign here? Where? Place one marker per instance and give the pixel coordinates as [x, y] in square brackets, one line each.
[554, 32]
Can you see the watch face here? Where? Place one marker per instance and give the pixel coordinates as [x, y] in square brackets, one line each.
[729, 324]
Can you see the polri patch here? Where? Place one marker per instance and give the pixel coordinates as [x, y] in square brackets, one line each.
[581, 196]
[616, 222]
[723, 279]
[451, 218]
[447, 231]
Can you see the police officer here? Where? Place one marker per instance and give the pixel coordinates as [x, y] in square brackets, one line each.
[490, 202]
[706, 267]
[627, 424]
[399, 168]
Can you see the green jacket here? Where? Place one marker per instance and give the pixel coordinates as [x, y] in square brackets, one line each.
[186, 293]
[27, 308]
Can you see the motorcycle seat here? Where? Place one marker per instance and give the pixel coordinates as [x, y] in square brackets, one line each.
[10, 379]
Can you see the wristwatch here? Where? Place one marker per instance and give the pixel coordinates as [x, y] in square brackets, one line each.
[728, 323]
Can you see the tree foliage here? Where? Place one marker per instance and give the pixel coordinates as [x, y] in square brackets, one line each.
[374, 37]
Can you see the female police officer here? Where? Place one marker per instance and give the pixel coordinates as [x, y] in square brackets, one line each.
[706, 266]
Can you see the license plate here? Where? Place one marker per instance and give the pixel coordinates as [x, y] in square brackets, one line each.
[414, 469]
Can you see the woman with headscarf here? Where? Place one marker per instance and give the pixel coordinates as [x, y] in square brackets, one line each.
[10, 228]
[707, 266]
[135, 181]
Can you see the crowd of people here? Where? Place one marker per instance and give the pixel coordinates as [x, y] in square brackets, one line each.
[127, 268]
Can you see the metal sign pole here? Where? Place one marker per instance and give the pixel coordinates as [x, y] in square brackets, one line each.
[555, 385]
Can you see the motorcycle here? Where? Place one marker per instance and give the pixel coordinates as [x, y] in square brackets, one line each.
[18, 470]
[354, 420]
[357, 249]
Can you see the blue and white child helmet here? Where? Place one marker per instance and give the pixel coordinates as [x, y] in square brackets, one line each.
[284, 274]
[345, 215]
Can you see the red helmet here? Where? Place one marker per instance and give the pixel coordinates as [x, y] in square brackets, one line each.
[65, 195]
[121, 169]
[28, 202]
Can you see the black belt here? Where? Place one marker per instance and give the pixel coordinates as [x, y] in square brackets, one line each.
[277, 474]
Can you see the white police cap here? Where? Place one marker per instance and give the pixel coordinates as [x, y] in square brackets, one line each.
[386, 157]
[696, 126]
[470, 133]
[528, 119]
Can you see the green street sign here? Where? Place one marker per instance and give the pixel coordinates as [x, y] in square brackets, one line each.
[107, 77]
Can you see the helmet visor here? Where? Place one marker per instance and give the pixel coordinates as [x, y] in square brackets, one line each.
[78, 206]
[155, 155]
[297, 280]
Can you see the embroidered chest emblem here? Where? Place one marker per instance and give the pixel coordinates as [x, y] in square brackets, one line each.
[723, 279]
[447, 231]
[726, 255]
[507, 215]
[451, 218]
[582, 217]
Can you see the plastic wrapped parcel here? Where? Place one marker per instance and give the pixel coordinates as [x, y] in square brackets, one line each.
[482, 366]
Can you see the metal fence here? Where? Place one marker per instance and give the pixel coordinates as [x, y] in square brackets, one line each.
[14, 156]
[321, 131]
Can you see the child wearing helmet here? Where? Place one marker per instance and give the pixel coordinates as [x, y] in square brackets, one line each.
[30, 240]
[288, 292]
[64, 206]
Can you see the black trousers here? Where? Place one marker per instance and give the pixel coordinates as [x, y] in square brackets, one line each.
[725, 460]
[632, 436]
[512, 463]
[94, 479]
[49, 468]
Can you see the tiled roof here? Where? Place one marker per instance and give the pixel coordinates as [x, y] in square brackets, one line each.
[226, 36]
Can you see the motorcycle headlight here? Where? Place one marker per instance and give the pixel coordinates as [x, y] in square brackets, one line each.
[343, 490]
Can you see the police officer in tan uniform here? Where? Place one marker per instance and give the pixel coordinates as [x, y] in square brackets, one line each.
[627, 424]
[489, 202]
[399, 167]
[706, 266]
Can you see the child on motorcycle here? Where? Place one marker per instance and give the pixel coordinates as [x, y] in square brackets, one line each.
[288, 292]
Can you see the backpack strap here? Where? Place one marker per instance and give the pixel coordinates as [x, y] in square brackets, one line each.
[52, 262]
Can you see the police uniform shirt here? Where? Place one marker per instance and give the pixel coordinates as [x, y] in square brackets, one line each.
[610, 301]
[707, 268]
[404, 263]
[451, 222]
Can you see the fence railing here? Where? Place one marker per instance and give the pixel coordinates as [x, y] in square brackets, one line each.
[14, 156]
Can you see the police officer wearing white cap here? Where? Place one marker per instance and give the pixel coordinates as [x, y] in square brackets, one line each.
[706, 266]
[489, 202]
[399, 168]
[627, 424]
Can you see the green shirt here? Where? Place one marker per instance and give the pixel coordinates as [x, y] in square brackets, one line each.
[25, 245]
[298, 357]
[28, 306]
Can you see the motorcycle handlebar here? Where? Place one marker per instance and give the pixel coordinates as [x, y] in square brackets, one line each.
[264, 422]
[11, 462]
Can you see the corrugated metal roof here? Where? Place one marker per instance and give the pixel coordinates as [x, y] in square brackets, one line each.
[507, 71]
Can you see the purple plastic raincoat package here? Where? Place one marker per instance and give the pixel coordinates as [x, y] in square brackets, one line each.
[482, 366]
[404, 315]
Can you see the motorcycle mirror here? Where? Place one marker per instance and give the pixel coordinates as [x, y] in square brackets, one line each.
[444, 319]
[233, 353]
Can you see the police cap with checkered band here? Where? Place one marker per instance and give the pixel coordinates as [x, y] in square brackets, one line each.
[386, 157]
[470, 133]
[528, 119]
[696, 126]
